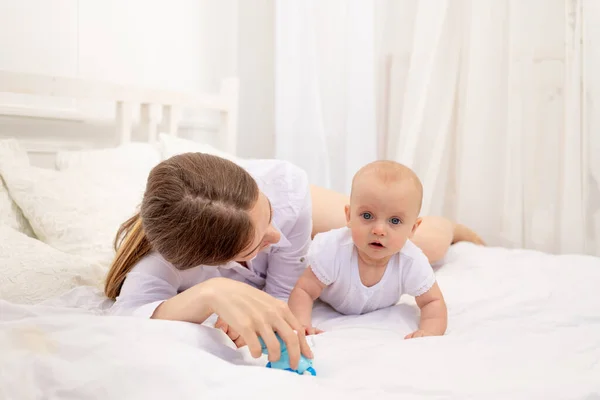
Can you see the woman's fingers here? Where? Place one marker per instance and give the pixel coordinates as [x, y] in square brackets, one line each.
[222, 325]
[253, 345]
[291, 340]
[230, 332]
[248, 333]
[291, 319]
[249, 311]
[233, 335]
[239, 342]
[273, 345]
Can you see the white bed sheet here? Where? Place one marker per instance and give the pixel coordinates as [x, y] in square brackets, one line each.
[522, 325]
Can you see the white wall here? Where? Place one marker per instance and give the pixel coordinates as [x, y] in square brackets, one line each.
[39, 36]
[178, 44]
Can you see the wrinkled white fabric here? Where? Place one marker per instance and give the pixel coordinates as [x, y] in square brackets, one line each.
[522, 325]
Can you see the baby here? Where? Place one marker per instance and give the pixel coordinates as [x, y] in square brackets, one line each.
[370, 263]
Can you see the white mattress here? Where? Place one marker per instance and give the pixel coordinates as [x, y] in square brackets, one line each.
[522, 325]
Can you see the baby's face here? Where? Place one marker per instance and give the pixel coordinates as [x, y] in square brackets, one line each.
[382, 217]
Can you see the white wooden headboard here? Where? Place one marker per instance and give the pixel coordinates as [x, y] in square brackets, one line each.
[158, 110]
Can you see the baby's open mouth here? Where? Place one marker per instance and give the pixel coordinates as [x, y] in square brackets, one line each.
[376, 245]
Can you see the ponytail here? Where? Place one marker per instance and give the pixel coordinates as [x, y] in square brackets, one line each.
[131, 245]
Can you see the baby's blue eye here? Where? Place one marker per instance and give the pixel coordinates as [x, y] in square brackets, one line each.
[395, 220]
[366, 215]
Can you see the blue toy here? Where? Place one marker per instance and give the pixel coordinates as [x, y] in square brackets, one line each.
[305, 364]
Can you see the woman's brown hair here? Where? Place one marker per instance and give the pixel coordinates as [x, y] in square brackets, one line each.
[194, 212]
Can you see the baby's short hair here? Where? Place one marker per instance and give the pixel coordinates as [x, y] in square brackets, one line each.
[388, 172]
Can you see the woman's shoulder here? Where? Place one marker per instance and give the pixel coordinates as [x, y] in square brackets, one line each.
[285, 184]
[279, 174]
[154, 264]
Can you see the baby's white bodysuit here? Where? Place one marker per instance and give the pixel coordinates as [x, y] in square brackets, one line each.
[334, 260]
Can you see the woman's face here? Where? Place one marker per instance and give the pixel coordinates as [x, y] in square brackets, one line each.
[265, 234]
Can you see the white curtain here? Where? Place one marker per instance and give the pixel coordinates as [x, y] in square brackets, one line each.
[494, 103]
[325, 87]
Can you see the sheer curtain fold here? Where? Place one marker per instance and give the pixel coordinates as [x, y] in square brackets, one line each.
[591, 123]
[325, 87]
[494, 103]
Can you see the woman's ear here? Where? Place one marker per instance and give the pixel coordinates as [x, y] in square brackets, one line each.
[347, 211]
[415, 226]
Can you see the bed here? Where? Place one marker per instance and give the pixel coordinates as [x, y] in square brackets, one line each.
[522, 324]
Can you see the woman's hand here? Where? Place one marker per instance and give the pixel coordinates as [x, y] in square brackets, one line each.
[235, 337]
[253, 313]
[246, 310]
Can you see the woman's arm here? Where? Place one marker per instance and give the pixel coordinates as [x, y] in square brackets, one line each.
[150, 290]
[192, 305]
[152, 281]
[249, 311]
[287, 264]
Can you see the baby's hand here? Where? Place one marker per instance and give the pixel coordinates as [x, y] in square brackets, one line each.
[418, 333]
[311, 330]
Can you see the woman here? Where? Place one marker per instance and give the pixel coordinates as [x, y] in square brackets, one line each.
[210, 234]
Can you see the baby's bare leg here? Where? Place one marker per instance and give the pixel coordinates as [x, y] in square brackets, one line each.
[434, 236]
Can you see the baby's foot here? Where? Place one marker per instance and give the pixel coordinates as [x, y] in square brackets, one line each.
[464, 234]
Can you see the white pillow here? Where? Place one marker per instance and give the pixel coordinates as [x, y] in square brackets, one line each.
[132, 155]
[31, 271]
[171, 145]
[78, 210]
[10, 213]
